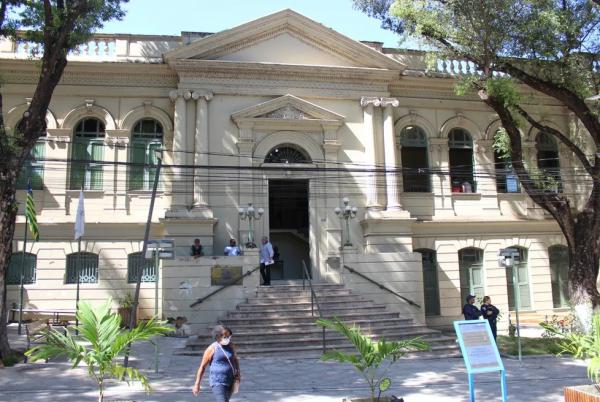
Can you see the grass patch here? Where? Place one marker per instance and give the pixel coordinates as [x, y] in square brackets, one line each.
[530, 346]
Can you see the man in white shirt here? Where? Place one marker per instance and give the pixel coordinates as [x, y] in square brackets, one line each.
[266, 260]
[232, 250]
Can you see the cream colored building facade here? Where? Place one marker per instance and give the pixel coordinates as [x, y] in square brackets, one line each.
[350, 119]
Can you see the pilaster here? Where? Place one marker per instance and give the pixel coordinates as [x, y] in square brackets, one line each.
[440, 180]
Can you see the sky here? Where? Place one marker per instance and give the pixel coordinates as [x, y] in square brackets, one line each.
[170, 17]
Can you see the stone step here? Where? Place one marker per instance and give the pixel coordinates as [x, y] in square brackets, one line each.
[243, 341]
[346, 317]
[265, 301]
[301, 293]
[317, 331]
[302, 327]
[315, 352]
[298, 286]
[304, 309]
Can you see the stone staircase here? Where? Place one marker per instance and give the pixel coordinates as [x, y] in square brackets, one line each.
[278, 322]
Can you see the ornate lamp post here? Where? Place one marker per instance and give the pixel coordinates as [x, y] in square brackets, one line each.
[252, 215]
[346, 212]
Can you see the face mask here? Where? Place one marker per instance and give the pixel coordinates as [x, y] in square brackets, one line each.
[225, 341]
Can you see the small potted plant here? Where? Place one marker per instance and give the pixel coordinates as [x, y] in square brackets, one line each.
[584, 346]
[373, 358]
[124, 310]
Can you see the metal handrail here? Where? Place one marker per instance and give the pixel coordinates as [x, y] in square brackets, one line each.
[202, 299]
[412, 303]
[313, 298]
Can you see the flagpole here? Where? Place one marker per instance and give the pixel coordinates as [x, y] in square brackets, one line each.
[22, 276]
[79, 232]
[77, 273]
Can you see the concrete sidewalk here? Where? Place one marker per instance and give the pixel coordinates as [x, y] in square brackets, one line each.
[281, 380]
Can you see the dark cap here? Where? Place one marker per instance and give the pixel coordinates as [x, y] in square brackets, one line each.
[469, 297]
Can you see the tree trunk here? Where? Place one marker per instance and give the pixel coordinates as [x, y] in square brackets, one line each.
[584, 259]
[8, 213]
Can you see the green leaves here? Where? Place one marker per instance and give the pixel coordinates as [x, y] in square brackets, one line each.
[99, 343]
[370, 354]
[582, 346]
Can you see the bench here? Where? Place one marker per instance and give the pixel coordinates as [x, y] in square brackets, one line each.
[34, 331]
[61, 317]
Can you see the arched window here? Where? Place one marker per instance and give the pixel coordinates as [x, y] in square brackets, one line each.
[87, 155]
[430, 282]
[136, 263]
[27, 262]
[548, 159]
[521, 275]
[559, 272]
[415, 168]
[33, 167]
[460, 144]
[287, 153]
[147, 137]
[84, 265]
[470, 262]
[506, 178]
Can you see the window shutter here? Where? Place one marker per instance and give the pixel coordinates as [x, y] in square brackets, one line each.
[136, 173]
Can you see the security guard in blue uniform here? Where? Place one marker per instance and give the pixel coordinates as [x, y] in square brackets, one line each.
[469, 310]
[490, 313]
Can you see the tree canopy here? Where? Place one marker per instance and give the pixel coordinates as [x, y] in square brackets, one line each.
[524, 51]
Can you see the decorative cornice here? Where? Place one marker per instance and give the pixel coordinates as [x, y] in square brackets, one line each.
[315, 116]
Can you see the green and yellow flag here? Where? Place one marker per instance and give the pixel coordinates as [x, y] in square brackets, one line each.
[30, 214]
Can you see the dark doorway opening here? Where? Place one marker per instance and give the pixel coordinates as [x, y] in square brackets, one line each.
[288, 227]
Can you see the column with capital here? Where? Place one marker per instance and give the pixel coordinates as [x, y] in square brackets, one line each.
[178, 188]
[201, 182]
[369, 104]
[391, 170]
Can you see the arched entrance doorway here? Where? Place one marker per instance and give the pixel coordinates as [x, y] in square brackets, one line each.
[289, 213]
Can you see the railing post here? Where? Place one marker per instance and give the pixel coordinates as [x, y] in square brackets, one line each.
[312, 308]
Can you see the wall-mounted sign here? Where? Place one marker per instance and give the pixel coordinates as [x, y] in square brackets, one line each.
[225, 275]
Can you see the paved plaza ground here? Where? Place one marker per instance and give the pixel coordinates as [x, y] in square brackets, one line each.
[282, 380]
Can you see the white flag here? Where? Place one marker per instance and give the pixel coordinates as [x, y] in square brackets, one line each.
[80, 218]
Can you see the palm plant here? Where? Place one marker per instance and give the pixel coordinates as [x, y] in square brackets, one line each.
[584, 346]
[100, 341]
[371, 354]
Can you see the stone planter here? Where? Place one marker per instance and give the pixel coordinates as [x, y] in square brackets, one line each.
[582, 393]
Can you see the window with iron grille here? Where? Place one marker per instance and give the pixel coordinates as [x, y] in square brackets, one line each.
[18, 261]
[84, 263]
[287, 153]
[147, 137]
[87, 155]
[136, 263]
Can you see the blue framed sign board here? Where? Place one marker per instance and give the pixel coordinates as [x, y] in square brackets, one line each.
[480, 353]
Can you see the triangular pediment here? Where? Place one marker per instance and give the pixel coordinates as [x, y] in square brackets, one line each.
[285, 37]
[288, 108]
